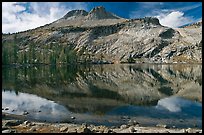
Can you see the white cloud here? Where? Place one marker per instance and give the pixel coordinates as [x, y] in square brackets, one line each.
[174, 19]
[168, 15]
[15, 15]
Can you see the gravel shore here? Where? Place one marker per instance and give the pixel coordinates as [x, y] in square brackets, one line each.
[24, 126]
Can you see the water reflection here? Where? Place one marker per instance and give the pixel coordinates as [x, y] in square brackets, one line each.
[110, 89]
[175, 107]
[176, 104]
[38, 108]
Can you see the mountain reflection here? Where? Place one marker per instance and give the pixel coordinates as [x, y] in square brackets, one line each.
[100, 88]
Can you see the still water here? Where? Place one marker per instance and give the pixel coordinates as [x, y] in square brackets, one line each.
[106, 94]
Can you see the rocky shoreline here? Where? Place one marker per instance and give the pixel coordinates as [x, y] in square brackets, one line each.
[17, 125]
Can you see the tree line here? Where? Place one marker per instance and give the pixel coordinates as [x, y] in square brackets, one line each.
[13, 52]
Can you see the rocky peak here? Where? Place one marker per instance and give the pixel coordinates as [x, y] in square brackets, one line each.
[75, 13]
[152, 20]
[98, 9]
[193, 25]
[100, 13]
[198, 24]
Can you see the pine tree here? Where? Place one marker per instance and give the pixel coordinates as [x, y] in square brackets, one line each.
[15, 49]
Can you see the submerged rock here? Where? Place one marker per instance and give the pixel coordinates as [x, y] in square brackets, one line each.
[13, 123]
[162, 125]
[26, 122]
[133, 122]
[25, 113]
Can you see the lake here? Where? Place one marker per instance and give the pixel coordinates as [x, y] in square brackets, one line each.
[110, 94]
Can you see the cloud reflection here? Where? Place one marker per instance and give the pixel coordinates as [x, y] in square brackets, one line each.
[175, 104]
[32, 103]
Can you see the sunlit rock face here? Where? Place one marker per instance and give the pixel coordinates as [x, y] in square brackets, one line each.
[117, 39]
[97, 87]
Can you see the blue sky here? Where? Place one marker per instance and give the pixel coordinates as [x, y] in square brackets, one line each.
[20, 16]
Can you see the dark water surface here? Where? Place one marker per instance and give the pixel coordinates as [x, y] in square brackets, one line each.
[106, 94]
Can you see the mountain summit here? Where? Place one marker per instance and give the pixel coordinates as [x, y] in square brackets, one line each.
[101, 13]
[75, 13]
[96, 13]
[98, 16]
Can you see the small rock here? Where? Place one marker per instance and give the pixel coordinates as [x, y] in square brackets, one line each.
[32, 124]
[161, 125]
[99, 129]
[133, 122]
[73, 117]
[125, 117]
[181, 120]
[92, 126]
[189, 130]
[33, 129]
[39, 111]
[26, 122]
[132, 129]
[72, 130]
[197, 131]
[6, 131]
[87, 130]
[113, 127]
[107, 130]
[173, 126]
[13, 131]
[4, 128]
[183, 131]
[7, 108]
[84, 124]
[63, 129]
[165, 131]
[123, 126]
[195, 125]
[28, 125]
[13, 110]
[25, 113]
